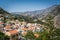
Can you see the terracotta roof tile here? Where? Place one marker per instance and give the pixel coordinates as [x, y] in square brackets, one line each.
[7, 27]
[24, 29]
[12, 32]
[1, 23]
[36, 35]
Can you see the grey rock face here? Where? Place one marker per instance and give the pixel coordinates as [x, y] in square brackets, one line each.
[57, 21]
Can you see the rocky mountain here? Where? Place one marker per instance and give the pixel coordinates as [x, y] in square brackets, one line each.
[53, 11]
[3, 12]
[57, 21]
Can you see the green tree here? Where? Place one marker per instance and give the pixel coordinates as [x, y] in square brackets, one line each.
[54, 34]
[30, 35]
[3, 36]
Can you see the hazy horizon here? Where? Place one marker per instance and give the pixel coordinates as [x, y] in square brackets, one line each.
[26, 5]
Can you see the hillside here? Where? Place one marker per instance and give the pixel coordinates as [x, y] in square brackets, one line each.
[30, 16]
[52, 11]
[2, 11]
[6, 15]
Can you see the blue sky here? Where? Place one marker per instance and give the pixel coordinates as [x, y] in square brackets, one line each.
[26, 5]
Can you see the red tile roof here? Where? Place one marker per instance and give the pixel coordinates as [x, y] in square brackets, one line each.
[12, 32]
[7, 27]
[1, 23]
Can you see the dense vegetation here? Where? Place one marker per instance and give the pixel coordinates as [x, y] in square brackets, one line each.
[3, 36]
[49, 33]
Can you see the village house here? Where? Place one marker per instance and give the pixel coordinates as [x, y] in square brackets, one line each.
[13, 34]
[1, 22]
[15, 28]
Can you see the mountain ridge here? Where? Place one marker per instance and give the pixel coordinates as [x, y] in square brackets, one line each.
[52, 11]
[38, 12]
